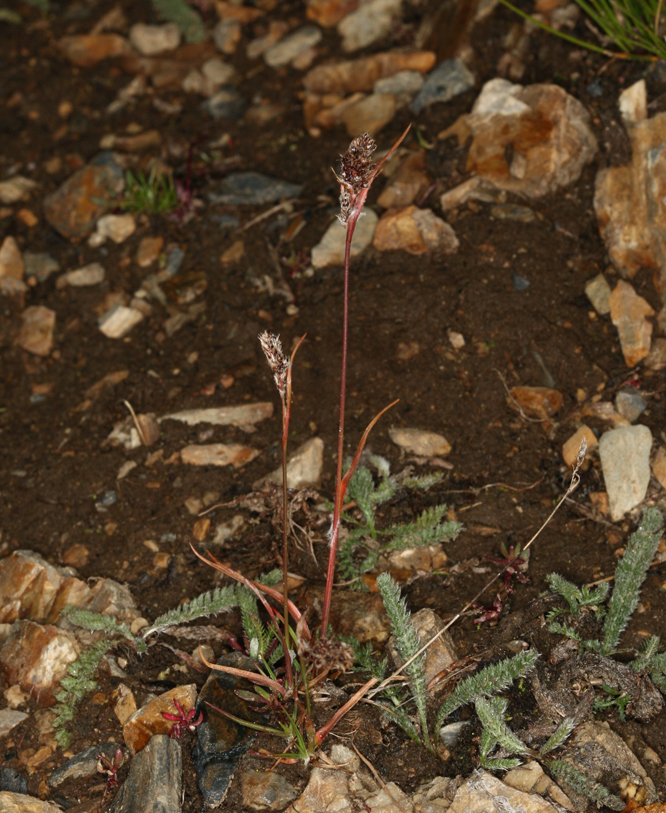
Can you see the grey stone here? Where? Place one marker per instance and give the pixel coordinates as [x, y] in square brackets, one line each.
[151, 40]
[13, 781]
[330, 250]
[252, 189]
[82, 764]
[10, 718]
[630, 404]
[483, 792]
[290, 47]
[625, 461]
[368, 24]
[155, 780]
[598, 291]
[226, 104]
[22, 803]
[448, 80]
[406, 83]
[265, 790]
[39, 265]
[174, 259]
[303, 467]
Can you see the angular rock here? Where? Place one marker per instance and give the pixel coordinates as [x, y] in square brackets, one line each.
[253, 189]
[218, 72]
[114, 227]
[656, 358]
[330, 250]
[125, 706]
[571, 447]
[531, 778]
[243, 415]
[151, 40]
[10, 718]
[414, 230]
[133, 143]
[276, 30]
[422, 559]
[625, 461]
[226, 104]
[659, 466]
[226, 36]
[304, 466]
[549, 131]
[630, 404]
[439, 655]
[483, 792]
[328, 790]
[449, 79]
[361, 615]
[29, 586]
[154, 784]
[112, 598]
[420, 442]
[91, 274]
[36, 657]
[371, 22]
[361, 74]
[81, 765]
[36, 333]
[40, 266]
[75, 206]
[598, 291]
[11, 261]
[227, 530]
[328, 13]
[86, 50]
[474, 188]
[265, 790]
[369, 114]
[149, 721]
[289, 48]
[409, 181]
[629, 313]
[16, 189]
[219, 454]
[220, 741]
[119, 321]
[538, 402]
[403, 85]
[633, 103]
[22, 803]
[148, 251]
[12, 780]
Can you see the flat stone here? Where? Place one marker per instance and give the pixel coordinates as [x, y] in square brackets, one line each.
[37, 657]
[625, 461]
[154, 784]
[439, 655]
[91, 274]
[109, 597]
[39, 265]
[226, 105]
[10, 718]
[510, 211]
[420, 442]
[22, 803]
[289, 48]
[12, 780]
[361, 74]
[370, 23]
[11, 261]
[598, 291]
[114, 227]
[304, 466]
[81, 765]
[265, 790]
[474, 188]
[630, 404]
[571, 447]
[370, 114]
[449, 79]
[403, 83]
[119, 321]
[36, 333]
[29, 586]
[253, 189]
[224, 531]
[550, 132]
[538, 402]
[220, 741]
[226, 36]
[86, 50]
[151, 40]
[131, 143]
[409, 181]
[361, 615]
[659, 466]
[218, 72]
[629, 313]
[276, 30]
[327, 790]
[72, 209]
[328, 13]
[149, 721]
[125, 706]
[414, 230]
[330, 250]
[413, 560]
[483, 792]
[243, 415]
[16, 189]
[219, 454]
[148, 251]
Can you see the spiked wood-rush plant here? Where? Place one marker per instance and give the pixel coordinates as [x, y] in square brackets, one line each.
[286, 689]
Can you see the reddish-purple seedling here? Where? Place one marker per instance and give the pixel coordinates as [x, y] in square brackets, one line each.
[110, 768]
[187, 721]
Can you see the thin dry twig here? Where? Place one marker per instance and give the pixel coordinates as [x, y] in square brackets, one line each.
[515, 403]
[285, 206]
[139, 430]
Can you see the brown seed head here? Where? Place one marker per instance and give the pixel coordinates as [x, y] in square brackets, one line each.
[356, 173]
[277, 361]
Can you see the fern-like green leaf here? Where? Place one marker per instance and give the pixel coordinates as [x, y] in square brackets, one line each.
[97, 622]
[583, 785]
[428, 529]
[184, 16]
[493, 679]
[568, 590]
[559, 736]
[564, 629]
[220, 600]
[491, 711]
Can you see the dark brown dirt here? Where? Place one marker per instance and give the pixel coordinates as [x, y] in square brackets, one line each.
[507, 472]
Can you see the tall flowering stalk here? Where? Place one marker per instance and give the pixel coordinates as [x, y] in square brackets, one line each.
[282, 367]
[357, 172]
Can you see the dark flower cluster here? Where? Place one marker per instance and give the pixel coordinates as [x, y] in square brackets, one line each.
[357, 172]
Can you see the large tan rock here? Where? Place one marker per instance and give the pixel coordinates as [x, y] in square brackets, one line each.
[148, 720]
[629, 313]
